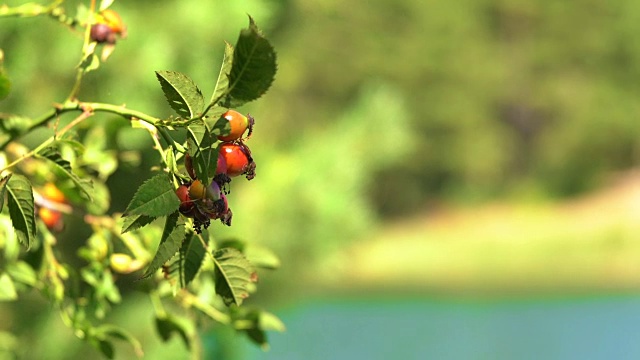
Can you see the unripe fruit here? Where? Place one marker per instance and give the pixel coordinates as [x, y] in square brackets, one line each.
[124, 264]
[238, 123]
[51, 192]
[238, 159]
[51, 218]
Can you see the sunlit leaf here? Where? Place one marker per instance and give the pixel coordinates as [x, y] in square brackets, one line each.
[170, 243]
[21, 272]
[222, 84]
[21, 208]
[254, 67]
[192, 253]
[184, 97]
[233, 274]
[7, 288]
[155, 197]
[258, 256]
[52, 154]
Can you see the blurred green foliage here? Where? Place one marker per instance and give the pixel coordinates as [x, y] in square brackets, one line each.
[383, 109]
[380, 110]
[379, 107]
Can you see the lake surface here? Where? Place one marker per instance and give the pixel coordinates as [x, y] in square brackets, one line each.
[605, 327]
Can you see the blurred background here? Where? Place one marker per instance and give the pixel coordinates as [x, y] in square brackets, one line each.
[441, 179]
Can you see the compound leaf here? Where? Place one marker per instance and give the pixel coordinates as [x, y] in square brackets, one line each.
[183, 95]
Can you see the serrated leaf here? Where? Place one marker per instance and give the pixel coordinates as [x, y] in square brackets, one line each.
[183, 95]
[21, 208]
[134, 222]
[258, 256]
[170, 243]
[191, 255]
[155, 197]
[222, 84]
[53, 156]
[232, 275]
[204, 155]
[254, 67]
[169, 324]
[3, 186]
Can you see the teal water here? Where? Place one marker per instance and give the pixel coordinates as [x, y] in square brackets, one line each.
[580, 328]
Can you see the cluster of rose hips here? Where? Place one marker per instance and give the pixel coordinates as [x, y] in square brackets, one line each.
[208, 202]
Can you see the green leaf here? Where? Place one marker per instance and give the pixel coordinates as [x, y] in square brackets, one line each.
[170, 243]
[52, 154]
[3, 187]
[7, 289]
[256, 323]
[168, 325]
[222, 84]
[218, 125]
[105, 347]
[121, 334]
[202, 151]
[134, 222]
[21, 272]
[184, 97]
[254, 67]
[232, 275]
[21, 208]
[191, 255]
[258, 256]
[5, 83]
[155, 197]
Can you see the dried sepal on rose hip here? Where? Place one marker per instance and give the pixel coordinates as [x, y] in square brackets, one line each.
[238, 159]
[108, 27]
[203, 203]
[239, 124]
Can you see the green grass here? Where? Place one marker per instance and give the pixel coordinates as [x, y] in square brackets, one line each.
[584, 245]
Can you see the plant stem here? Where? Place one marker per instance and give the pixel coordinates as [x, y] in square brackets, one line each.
[88, 109]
